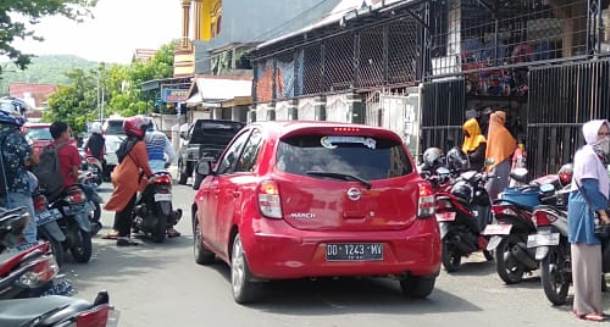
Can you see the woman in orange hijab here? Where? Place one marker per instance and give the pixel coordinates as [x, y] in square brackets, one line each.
[500, 147]
[474, 145]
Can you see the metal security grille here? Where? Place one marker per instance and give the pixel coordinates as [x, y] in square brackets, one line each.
[478, 35]
[380, 52]
[443, 112]
[561, 99]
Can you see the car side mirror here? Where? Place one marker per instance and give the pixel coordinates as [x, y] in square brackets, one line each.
[183, 135]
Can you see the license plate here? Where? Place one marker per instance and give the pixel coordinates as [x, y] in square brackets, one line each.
[542, 239]
[354, 252]
[163, 197]
[498, 229]
[48, 216]
[445, 216]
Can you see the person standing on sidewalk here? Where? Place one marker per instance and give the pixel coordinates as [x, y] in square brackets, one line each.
[500, 148]
[18, 183]
[126, 177]
[589, 196]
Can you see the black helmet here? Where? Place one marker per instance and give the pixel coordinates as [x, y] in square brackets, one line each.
[463, 191]
[433, 158]
[457, 161]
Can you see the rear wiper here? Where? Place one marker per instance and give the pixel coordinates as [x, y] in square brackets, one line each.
[345, 177]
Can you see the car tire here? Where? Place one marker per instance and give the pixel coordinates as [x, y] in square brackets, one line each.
[417, 287]
[183, 177]
[244, 289]
[203, 255]
[198, 179]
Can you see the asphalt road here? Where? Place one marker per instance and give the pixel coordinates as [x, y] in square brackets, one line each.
[160, 285]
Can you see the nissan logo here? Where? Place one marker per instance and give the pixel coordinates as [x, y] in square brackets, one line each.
[354, 194]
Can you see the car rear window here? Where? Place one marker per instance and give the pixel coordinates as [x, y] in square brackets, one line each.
[39, 134]
[215, 133]
[364, 157]
[115, 127]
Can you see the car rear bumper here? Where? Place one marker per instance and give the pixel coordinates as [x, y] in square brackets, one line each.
[275, 250]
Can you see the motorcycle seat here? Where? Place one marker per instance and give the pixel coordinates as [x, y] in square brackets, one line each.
[22, 312]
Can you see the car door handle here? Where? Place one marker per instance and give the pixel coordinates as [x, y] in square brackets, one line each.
[236, 194]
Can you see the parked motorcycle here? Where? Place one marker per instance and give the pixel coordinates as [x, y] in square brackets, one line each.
[59, 311]
[24, 272]
[75, 222]
[94, 202]
[513, 213]
[94, 168]
[462, 214]
[154, 210]
[48, 228]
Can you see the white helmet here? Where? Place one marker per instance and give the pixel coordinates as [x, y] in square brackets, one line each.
[96, 128]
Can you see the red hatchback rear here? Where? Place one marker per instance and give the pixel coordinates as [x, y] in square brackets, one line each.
[295, 200]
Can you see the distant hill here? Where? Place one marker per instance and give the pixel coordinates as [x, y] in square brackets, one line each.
[43, 69]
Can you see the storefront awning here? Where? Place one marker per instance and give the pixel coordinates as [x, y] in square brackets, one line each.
[194, 101]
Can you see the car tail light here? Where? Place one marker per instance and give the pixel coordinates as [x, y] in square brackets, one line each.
[426, 203]
[96, 317]
[162, 180]
[542, 218]
[269, 202]
[43, 271]
[40, 203]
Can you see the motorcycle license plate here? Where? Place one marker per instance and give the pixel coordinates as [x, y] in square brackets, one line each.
[163, 197]
[48, 216]
[542, 239]
[498, 229]
[445, 216]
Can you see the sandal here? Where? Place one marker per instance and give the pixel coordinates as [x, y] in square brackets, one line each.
[595, 317]
[171, 233]
[111, 236]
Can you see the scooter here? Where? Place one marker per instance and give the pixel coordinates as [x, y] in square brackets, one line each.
[94, 168]
[48, 228]
[154, 211]
[462, 214]
[27, 272]
[75, 222]
[59, 311]
[94, 201]
[513, 213]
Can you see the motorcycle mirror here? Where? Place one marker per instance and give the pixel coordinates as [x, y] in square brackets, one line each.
[205, 167]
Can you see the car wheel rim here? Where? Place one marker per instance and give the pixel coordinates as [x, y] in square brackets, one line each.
[237, 268]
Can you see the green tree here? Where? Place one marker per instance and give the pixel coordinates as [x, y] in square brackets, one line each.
[32, 11]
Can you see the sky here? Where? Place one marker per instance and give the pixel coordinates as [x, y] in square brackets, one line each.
[119, 27]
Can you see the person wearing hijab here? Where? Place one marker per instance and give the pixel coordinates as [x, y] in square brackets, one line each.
[126, 178]
[500, 148]
[474, 144]
[589, 195]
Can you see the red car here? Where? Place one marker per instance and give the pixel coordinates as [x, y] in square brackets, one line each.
[292, 200]
[38, 135]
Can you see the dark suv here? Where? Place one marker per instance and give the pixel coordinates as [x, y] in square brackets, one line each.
[205, 138]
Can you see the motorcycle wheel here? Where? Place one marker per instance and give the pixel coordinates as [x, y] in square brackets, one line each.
[160, 230]
[451, 260]
[508, 268]
[82, 247]
[554, 280]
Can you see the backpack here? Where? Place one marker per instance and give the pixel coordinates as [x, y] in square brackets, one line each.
[49, 173]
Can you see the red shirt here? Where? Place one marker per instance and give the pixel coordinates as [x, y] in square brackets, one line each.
[68, 159]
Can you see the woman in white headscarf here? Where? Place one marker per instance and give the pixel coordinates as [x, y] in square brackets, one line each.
[590, 188]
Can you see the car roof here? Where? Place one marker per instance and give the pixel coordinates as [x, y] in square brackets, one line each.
[282, 128]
